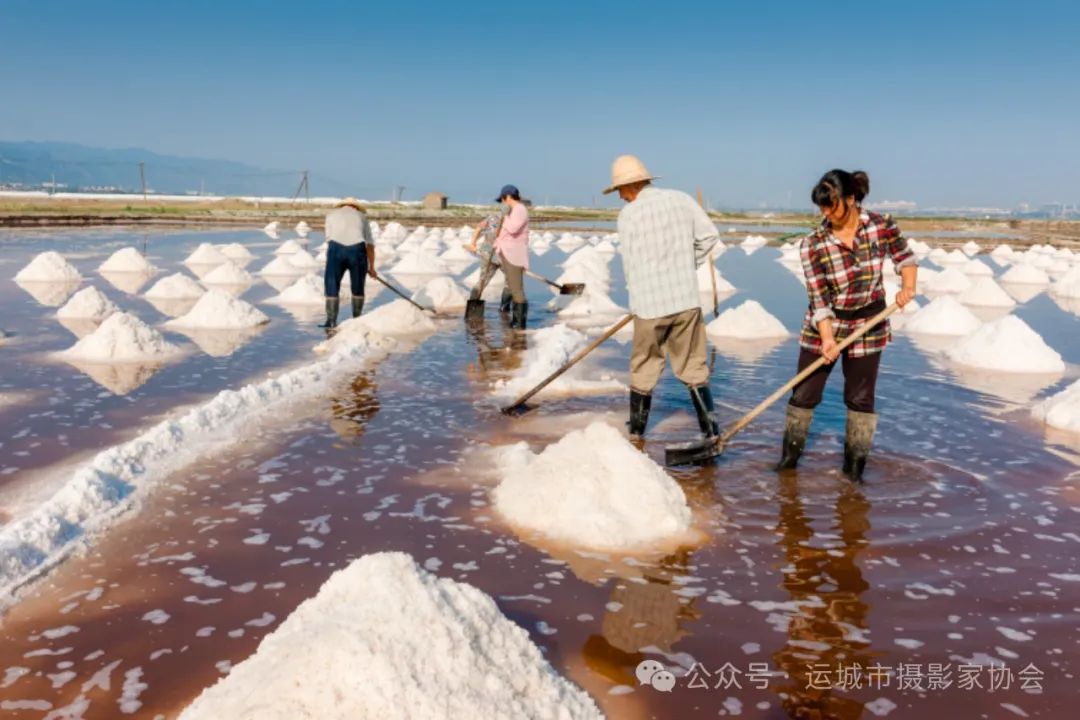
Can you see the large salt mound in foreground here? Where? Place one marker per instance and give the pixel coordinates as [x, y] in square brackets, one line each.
[49, 267]
[175, 287]
[1006, 345]
[943, 316]
[441, 294]
[217, 310]
[592, 489]
[551, 348]
[88, 304]
[127, 260]
[121, 338]
[749, 321]
[206, 254]
[384, 638]
[1062, 410]
[986, 293]
[394, 318]
[1024, 274]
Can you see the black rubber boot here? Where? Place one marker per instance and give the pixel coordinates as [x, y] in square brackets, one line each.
[521, 312]
[706, 410]
[640, 404]
[332, 306]
[796, 428]
[505, 300]
[357, 305]
[857, 441]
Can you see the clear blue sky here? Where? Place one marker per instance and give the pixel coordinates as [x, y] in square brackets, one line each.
[943, 103]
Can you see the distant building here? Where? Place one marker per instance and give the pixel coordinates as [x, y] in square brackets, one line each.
[435, 201]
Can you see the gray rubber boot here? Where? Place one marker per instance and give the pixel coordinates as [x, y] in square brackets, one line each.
[796, 429]
[357, 305]
[332, 307]
[640, 404]
[858, 438]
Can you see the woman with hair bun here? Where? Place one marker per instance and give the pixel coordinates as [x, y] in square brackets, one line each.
[843, 261]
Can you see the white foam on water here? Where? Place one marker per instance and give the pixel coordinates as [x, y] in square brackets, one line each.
[1061, 410]
[236, 251]
[943, 316]
[175, 287]
[705, 275]
[288, 248]
[441, 294]
[218, 310]
[949, 280]
[127, 260]
[616, 498]
[228, 274]
[206, 254]
[1006, 345]
[121, 338]
[749, 321]
[551, 348]
[88, 304]
[281, 266]
[114, 481]
[308, 290]
[384, 638]
[986, 293]
[49, 267]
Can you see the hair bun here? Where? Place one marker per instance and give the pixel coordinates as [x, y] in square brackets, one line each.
[862, 185]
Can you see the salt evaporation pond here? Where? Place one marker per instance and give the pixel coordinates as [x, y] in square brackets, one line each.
[956, 551]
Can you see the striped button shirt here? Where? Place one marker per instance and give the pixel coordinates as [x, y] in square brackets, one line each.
[842, 278]
[664, 237]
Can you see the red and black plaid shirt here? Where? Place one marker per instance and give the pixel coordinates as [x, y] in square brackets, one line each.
[839, 278]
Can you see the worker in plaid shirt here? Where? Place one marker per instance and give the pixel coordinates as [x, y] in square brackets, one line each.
[664, 237]
[843, 261]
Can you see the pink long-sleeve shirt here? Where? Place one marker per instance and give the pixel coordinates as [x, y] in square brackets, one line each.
[513, 241]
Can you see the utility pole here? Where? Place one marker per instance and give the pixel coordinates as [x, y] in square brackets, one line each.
[52, 190]
[142, 180]
[303, 186]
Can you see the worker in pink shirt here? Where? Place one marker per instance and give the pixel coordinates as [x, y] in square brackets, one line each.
[512, 244]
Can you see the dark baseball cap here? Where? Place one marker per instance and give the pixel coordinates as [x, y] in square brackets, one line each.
[507, 190]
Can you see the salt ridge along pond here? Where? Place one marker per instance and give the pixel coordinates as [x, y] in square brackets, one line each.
[163, 549]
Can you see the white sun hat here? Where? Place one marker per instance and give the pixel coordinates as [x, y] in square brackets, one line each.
[625, 170]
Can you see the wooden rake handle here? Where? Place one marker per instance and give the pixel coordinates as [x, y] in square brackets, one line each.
[531, 274]
[403, 296]
[811, 369]
[573, 361]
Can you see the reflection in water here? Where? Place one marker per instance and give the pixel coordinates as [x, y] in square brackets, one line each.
[827, 645]
[1022, 293]
[49, 294]
[493, 360]
[747, 352]
[641, 613]
[172, 308]
[127, 282]
[118, 378]
[221, 343]
[355, 407]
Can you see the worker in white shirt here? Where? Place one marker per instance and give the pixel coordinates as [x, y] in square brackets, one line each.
[664, 237]
[350, 248]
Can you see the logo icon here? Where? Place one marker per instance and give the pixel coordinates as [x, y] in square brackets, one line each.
[651, 672]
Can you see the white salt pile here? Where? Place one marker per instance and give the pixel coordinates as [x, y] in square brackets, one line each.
[303, 260]
[899, 318]
[943, 316]
[1025, 274]
[88, 304]
[950, 280]
[552, 347]
[175, 287]
[206, 254]
[236, 251]
[1006, 345]
[302, 229]
[308, 290]
[228, 274]
[127, 260]
[608, 248]
[217, 310]
[288, 248]
[280, 266]
[49, 267]
[1002, 251]
[977, 268]
[1061, 410]
[456, 253]
[754, 241]
[1067, 286]
[955, 257]
[986, 293]
[749, 321]
[706, 274]
[419, 263]
[121, 338]
[615, 499]
[272, 227]
[591, 303]
[441, 294]
[971, 248]
[384, 638]
[1064, 254]
[395, 318]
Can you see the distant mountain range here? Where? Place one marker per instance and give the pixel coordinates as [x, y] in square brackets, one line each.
[77, 167]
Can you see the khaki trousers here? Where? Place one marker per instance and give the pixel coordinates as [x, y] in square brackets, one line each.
[680, 338]
[515, 279]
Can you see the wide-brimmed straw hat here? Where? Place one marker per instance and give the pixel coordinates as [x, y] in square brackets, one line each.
[627, 170]
[351, 202]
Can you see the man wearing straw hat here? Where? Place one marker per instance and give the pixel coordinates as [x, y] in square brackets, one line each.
[664, 237]
[349, 247]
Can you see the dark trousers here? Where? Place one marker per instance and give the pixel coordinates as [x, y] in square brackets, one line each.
[340, 258]
[860, 381]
